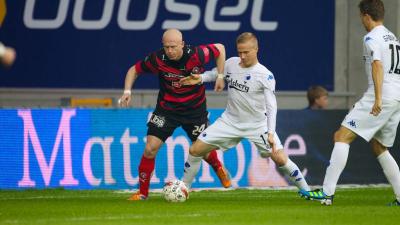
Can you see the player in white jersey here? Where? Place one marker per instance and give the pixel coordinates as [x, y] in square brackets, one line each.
[250, 113]
[376, 115]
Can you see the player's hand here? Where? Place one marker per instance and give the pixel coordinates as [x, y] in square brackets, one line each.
[271, 141]
[8, 57]
[125, 100]
[376, 108]
[191, 80]
[219, 85]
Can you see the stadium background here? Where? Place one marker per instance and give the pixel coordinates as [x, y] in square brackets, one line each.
[81, 49]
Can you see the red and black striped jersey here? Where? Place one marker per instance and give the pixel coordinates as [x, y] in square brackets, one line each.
[172, 97]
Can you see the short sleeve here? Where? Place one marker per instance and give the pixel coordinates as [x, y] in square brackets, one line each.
[373, 48]
[206, 53]
[148, 64]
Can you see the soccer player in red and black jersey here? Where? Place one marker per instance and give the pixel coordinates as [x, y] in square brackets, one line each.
[176, 105]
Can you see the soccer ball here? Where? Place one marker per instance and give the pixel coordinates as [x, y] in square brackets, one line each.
[175, 191]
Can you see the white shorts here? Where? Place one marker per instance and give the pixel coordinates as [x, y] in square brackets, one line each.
[224, 134]
[382, 127]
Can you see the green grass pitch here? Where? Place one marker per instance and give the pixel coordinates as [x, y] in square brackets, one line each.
[57, 206]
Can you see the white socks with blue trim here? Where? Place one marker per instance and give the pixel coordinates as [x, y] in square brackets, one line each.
[192, 166]
[292, 171]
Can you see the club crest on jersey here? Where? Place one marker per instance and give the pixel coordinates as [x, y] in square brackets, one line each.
[143, 176]
[176, 84]
[159, 121]
[195, 70]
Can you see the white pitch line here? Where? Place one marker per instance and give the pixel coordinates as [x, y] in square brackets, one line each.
[341, 186]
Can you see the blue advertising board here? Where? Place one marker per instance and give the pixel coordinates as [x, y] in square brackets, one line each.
[101, 148]
[91, 44]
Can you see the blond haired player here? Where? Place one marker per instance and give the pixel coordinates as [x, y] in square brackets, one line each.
[250, 113]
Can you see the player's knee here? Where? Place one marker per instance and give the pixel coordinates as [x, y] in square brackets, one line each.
[195, 151]
[150, 151]
[280, 158]
[340, 136]
[337, 136]
[344, 135]
[377, 147]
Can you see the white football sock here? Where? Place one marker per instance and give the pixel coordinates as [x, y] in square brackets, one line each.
[391, 171]
[294, 174]
[192, 166]
[338, 161]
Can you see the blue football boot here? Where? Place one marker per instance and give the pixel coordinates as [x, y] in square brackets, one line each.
[317, 194]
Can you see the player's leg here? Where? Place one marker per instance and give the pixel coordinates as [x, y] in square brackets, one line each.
[342, 138]
[146, 167]
[193, 131]
[159, 129]
[192, 165]
[220, 135]
[290, 169]
[285, 165]
[383, 139]
[389, 166]
[358, 122]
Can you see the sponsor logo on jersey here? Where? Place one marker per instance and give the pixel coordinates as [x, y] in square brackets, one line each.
[172, 75]
[238, 86]
[159, 121]
[389, 37]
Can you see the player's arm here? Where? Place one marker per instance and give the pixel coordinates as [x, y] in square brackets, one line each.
[130, 79]
[149, 65]
[271, 111]
[220, 62]
[207, 76]
[377, 77]
[375, 51]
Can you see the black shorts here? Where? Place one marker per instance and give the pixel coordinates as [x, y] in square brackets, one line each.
[162, 126]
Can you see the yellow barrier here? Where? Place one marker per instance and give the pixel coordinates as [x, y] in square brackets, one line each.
[91, 102]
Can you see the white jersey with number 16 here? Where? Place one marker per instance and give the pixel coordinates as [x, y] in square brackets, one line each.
[381, 44]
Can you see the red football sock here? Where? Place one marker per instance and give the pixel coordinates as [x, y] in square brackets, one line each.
[146, 168]
[213, 160]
